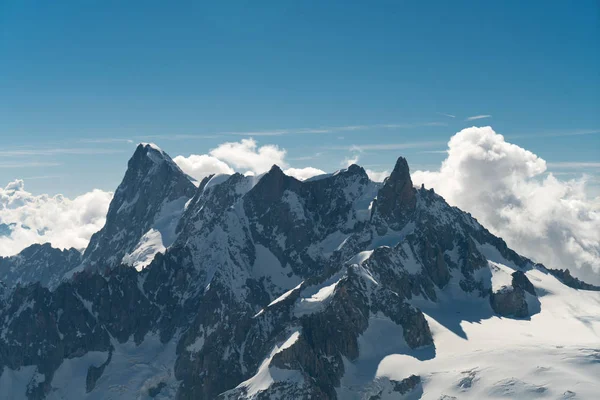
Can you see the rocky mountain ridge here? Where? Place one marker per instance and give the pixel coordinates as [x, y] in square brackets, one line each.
[267, 287]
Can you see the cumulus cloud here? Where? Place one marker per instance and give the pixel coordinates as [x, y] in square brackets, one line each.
[377, 176]
[246, 154]
[303, 173]
[201, 166]
[507, 189]
[27, 219]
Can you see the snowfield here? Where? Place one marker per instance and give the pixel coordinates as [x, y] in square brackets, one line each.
[553, 355]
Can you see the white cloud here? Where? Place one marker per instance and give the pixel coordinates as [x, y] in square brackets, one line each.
[201, 166]
[303, 173]
[377, 176]
[447, 115]
[474, 117]
[56, 219]
[348, 161]
[244, 155]
[503, 186]
[248, 155]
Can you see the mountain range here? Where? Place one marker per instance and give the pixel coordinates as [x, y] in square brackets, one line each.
[268, 287]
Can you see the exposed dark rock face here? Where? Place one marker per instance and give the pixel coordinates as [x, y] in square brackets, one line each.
[289, 217]
[38, 263]
[267, 276]
[520, 281]
[153, 191]
[565, 277]
[94, 373]
[393, 388]
[406, 385]
[511, 301]
[397, 198]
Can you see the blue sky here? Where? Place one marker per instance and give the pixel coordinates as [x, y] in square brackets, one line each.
[79, 79]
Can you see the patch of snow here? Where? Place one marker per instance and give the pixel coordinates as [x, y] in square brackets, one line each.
[360, 257]
[295, 205]
[152, 146]
[14, 383]
[216, 180]
[501, 276]
[481, 356]
[197, 345]
[70, 377]
[315, 298]
[285, 295]
[391, 237]
[159, 237]
[382, 338]
[133, 370]
[491, 253]
[267, 375]
[150, 244]
[332, 242]
[318, 177]
[267, 265]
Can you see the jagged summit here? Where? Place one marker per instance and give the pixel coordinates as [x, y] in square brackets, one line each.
[356, 169]
[144, 212]
[336, 287]
[151, 146]
[146, 156]
[38, 263]
[397, 197]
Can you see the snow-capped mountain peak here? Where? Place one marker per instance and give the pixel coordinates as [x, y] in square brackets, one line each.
[273, 288]
[144, 212]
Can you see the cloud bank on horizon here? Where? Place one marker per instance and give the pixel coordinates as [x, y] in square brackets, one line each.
[26, 219]
[504, 186]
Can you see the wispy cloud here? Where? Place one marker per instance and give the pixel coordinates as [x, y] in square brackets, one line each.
[447, 115]
[56, 151]
[296, 131]
[474, 117]
[28, 165]
[573, 164]
[306, 158]
[433, 152]
[332, 129]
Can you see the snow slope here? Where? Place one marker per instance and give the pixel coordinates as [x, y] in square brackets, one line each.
[553, 355]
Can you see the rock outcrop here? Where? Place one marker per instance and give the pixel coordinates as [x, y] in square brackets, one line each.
[145, 210]
[38, 263]
[266, 289]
